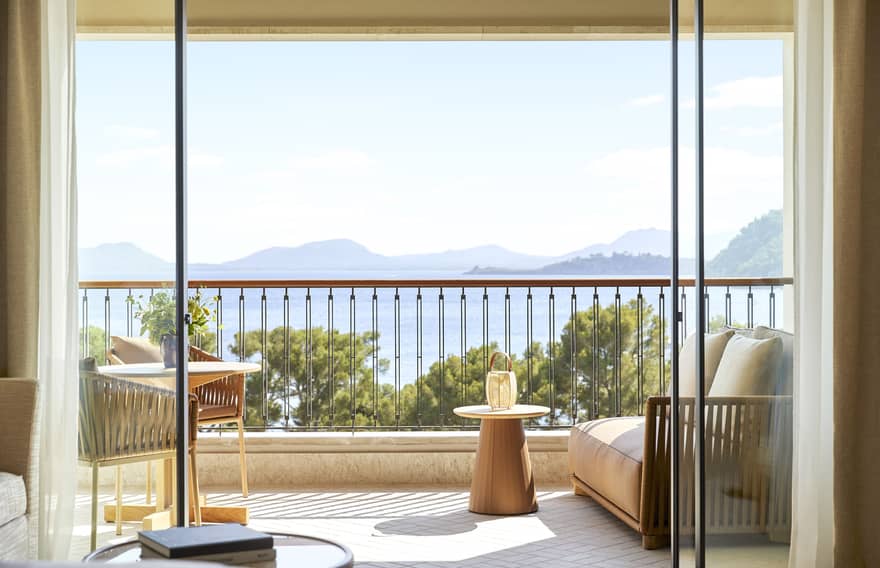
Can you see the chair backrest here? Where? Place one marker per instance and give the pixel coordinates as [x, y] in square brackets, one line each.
[18, 403]
[130, 350]
[120, 418]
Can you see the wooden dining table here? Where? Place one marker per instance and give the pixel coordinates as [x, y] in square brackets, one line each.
[161, 514]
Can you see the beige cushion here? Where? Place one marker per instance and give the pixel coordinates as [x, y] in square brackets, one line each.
[687, 368]
[134, 350]
[217, 411]
[786, 368]
[13, 498]
[748, 367]
[607, 455]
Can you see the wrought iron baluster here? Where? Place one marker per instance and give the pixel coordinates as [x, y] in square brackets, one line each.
[507, 320]
[708, 316]
[463, 362]
[287, 413]
[241, 341]
[617, 354]
[640, 352]
[661, 308]
[219, 323]
[375, 340]
[264, 359]
[772, 307]
[573, 356]
[241, 345]
[550, 352]
[684, 319]
[595, 378]
[129, 314]
[85, 332]
[441, 357]
[106, 325]
[352, 349]
[485, 335]
[529, 341]
[397, 358]
[750, 307]
[728, 308]
[419, 346]
[331, 360]
[310, 369]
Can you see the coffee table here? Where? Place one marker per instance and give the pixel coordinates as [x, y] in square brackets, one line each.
[295, 551]
[503, 483]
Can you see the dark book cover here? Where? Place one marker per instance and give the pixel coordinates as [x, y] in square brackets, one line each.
[183, 542]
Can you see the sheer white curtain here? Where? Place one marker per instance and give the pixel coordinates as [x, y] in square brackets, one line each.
[58, 315]
[812, 530]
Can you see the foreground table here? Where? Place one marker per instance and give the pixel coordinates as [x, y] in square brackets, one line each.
[503, 483]
[295, 551]
[161, 515]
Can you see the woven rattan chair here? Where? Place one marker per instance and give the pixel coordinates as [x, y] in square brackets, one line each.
[220, 401]
[124, 422]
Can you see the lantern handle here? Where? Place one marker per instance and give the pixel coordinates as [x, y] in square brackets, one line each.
[506, 356]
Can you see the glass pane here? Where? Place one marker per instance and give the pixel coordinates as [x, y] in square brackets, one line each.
[749, 208]
[126, 207]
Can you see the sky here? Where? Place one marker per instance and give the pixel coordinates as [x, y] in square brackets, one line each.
[408, 147]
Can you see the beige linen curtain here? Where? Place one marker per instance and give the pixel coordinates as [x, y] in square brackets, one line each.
[856, 277]
[20, 70]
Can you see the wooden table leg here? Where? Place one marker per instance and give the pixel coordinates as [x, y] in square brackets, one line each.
[503, 483]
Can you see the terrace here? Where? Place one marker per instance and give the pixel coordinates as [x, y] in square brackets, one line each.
[375, 457]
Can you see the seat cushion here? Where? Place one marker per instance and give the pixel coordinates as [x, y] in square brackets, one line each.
[13, 498]
[607, 455]
[131, 350]
[14, 540]
[218, 411]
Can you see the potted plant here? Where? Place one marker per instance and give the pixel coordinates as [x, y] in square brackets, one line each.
[158, 321]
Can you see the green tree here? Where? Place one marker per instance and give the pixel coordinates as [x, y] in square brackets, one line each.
[97, 346]
[317, 396]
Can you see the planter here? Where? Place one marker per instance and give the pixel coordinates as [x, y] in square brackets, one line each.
[168, 349]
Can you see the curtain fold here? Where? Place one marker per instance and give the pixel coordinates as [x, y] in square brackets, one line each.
[20, 77]
[58, 309]
[856, 274]
[812, 474]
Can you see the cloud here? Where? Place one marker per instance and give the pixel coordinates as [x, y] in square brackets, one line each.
[739, 185]
[749, 92]
[648, 100]
[162, 154]
[343, 159]
[131, 132]
[754, 131]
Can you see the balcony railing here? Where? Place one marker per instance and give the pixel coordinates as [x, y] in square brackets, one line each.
[401, 354]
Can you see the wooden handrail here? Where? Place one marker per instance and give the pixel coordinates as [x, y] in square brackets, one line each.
[537, 282]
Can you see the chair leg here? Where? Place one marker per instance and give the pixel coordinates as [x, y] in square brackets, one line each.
[118, 500]
[93, 537]
[242, 458]
[149, 492]
[194, 487]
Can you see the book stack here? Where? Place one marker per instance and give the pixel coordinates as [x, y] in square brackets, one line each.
[224, 544]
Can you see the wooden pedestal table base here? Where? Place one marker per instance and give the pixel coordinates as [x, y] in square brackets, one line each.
[161, 514]
[503, 483]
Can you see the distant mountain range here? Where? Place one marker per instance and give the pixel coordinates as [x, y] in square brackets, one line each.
[641, 251]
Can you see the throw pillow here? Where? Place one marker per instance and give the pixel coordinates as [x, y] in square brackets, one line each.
[748, 367]
[687, 367]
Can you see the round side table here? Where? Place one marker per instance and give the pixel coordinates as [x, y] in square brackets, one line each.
[503, 483]
[293, 551]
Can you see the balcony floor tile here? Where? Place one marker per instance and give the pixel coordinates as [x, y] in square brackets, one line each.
[403, 528]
